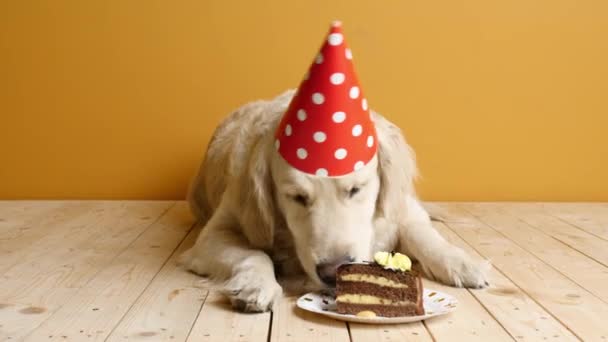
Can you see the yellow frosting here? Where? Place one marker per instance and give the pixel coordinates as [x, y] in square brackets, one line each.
[367, 278]
[395, 261]
[366, 299]
[366, 314]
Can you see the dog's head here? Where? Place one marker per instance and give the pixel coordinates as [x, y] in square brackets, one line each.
[330, 219]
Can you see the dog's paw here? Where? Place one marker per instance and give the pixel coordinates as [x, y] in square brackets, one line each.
[456, 268]
[251, 292]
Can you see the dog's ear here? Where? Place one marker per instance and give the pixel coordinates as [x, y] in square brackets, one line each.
[255, 206]
[396, 167]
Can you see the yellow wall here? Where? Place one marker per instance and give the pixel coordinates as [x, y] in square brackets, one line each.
[502, 100]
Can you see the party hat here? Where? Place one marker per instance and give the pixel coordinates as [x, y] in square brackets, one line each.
[327, 129]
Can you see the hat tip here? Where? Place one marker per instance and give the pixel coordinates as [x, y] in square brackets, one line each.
[336, 23]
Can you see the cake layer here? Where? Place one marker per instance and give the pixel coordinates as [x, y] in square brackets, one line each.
[381, 310]
[395, 294]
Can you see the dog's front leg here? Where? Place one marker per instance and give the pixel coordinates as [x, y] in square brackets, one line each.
[439, 259]
[223, 253]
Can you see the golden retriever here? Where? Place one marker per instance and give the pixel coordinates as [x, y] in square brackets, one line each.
[261, 216]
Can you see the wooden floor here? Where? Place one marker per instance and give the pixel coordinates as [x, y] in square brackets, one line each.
[105, 270]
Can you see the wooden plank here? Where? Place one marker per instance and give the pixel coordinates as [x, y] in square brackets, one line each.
[590, 217]
[217, 321]
[290, 323]
[572, 305]
[582, 270]
[444, 213]
[168, 307]
[519, 314]
[47, 276]
[535, 216]
[96, 308]
[25, 224]
[470, 322]
[16, 216]
[413, 332]
[74, 227]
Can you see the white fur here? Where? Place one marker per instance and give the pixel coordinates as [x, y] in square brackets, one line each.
[244, 193]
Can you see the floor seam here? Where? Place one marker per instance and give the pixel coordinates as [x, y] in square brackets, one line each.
[491, 314]
[576, 226]
[197, 315]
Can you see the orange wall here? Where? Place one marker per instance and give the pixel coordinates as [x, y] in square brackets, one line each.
[502, 100]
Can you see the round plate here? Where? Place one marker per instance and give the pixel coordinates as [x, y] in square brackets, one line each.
[435, 304]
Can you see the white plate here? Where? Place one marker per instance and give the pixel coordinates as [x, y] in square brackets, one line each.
[435, 304]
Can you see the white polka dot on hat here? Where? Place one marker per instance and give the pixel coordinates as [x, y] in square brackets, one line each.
[319, 137]
[318, 98]
[327, 130]
[337, 78]
[302, 154]
[302, 115]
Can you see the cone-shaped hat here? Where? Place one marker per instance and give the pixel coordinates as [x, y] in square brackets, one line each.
[327, 129]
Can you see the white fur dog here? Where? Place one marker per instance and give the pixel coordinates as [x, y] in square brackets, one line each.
[260, 215]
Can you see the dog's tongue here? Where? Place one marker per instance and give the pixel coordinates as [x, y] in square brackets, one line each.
[327, 129]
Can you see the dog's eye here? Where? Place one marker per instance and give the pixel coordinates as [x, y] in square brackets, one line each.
[353, 191]
[301, 199]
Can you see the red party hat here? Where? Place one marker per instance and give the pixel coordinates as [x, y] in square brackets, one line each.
[327, 129]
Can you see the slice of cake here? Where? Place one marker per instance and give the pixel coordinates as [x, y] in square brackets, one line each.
[387, 287]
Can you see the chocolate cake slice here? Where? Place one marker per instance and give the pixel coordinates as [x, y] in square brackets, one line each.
[385, 291]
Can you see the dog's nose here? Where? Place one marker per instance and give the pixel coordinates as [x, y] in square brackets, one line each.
[327, 270]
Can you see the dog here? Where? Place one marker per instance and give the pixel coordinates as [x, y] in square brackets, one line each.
[262, 218]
